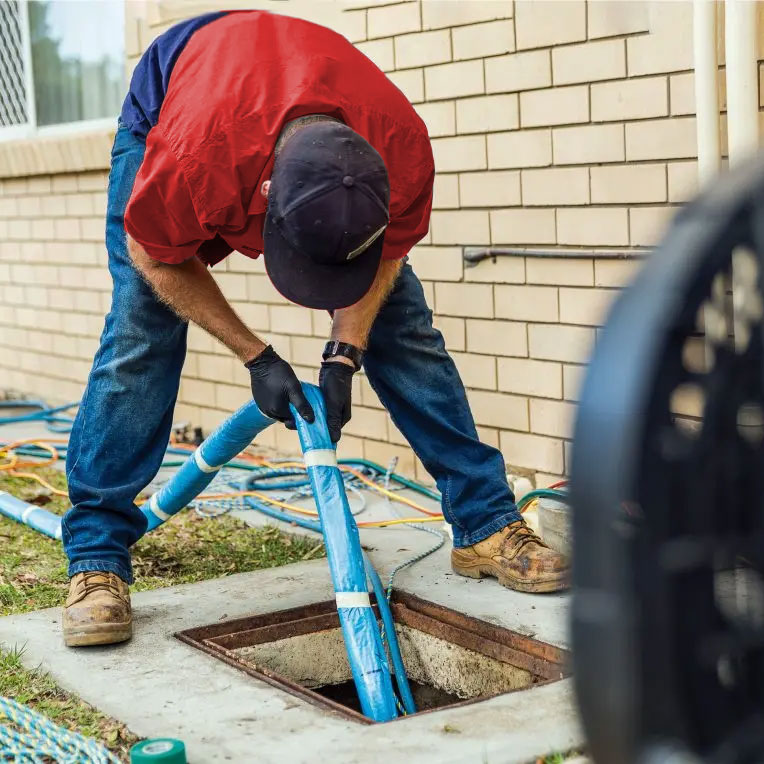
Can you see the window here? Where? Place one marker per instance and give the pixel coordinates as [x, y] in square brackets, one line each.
[13, 86]
[61, 63]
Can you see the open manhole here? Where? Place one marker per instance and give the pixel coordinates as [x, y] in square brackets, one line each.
[450, 658]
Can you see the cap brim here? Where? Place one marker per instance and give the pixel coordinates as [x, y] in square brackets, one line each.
[315, 285]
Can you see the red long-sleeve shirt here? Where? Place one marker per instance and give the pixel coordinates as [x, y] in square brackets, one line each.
[222, 101]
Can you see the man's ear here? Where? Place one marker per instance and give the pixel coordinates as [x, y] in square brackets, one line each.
[265, 188]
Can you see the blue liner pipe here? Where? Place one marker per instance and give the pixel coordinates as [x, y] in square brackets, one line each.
[227, 442]
[379, 591]
[35, 517]
[368, 662]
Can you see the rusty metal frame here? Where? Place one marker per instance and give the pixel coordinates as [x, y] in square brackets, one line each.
[544, 662]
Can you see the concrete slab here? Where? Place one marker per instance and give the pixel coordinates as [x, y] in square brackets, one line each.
[160, 686]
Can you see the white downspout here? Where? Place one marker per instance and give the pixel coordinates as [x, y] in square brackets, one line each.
[742, 79]
[707, 117]
[706, 89]
[742, 136]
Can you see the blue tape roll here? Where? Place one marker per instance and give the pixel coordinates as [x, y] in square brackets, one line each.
[230, 439]
[360, 629]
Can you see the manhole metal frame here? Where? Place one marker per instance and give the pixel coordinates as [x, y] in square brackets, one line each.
[545, 662]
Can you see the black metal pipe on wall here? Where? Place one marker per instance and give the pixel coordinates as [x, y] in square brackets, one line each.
[474, 255]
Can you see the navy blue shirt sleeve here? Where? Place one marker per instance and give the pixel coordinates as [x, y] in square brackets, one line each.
[148, 85]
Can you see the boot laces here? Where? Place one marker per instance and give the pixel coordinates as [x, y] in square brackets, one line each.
[95, 581]
[519, 535]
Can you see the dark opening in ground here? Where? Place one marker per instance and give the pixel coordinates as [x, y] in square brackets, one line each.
[426, 696]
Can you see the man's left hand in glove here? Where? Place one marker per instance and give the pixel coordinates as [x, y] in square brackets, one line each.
[336, 382]
[343, 354]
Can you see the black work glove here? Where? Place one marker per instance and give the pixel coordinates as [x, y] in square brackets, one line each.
[275, 386]
[336, 382]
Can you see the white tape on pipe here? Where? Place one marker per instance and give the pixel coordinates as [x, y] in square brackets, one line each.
[352, 599]
[320, 457]
[154, 507]
[25, 514]
[58, 532]
[201, 464]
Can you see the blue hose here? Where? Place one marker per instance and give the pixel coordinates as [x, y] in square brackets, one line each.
[366, 653]
[45, 414]
[278, 515]
[392, 638]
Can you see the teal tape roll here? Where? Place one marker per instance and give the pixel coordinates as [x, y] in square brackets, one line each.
[163, 750]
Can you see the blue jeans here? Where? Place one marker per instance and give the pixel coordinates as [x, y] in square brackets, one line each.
[123, 423]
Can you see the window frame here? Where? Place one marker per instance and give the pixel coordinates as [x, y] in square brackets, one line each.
[30, 129]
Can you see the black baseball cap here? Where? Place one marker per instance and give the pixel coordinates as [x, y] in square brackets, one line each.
[327, 213]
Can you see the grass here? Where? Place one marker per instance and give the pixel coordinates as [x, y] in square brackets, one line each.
[184, 550]
[559, 758]
[38, 691]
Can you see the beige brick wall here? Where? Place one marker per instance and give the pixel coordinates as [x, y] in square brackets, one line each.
[54, 287]
[555, 125]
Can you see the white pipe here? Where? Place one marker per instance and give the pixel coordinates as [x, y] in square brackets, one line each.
[742, 120]
[706, 88]
[742, 79]
[706, 102]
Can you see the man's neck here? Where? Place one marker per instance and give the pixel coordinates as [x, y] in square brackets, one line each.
[291, 127]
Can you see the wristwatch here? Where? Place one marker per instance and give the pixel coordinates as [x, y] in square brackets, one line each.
[345, 349]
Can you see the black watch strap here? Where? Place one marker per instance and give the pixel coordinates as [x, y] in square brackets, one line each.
[345, 349]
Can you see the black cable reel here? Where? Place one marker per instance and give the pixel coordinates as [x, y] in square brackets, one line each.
[667, 489]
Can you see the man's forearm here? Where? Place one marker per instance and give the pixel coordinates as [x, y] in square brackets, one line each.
[353, 324]
[190, 291]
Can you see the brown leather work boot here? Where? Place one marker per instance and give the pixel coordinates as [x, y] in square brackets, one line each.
[517, 557]
[97, 610]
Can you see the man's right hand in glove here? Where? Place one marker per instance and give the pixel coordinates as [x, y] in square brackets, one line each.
[275, 386]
